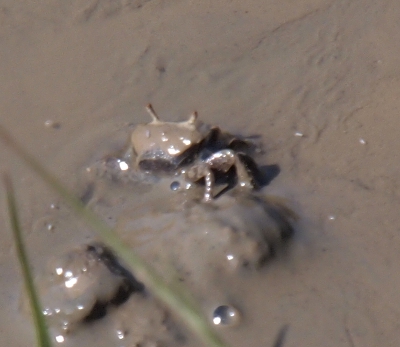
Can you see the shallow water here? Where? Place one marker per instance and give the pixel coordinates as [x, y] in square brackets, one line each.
[317, 80]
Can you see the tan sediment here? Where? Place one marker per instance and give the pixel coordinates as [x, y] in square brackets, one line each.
[326, 70]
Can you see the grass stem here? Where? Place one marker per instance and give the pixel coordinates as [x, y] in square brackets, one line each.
[42, 334]
[173, 296]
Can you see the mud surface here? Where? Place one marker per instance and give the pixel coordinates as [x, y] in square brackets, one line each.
[316, 80]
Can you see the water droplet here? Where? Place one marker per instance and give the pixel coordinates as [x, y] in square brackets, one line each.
[60, 338]
[172, 150]
[47, 312]
[123, 165]
[175, 186]
[120, 334]
[225, 315]
[71, 282]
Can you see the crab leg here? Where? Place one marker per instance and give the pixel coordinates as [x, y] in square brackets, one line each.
[209, 181]
[200, 171]
[244, 178]
[222, 160]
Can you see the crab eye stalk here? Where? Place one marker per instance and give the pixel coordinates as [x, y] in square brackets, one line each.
[192, 118]
[152, 113]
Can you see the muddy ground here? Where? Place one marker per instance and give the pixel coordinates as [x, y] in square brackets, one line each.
[317, 80]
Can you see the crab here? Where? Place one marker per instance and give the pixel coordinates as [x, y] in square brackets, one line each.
[197, 151]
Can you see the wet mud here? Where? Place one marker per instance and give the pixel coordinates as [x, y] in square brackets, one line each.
[316, 81]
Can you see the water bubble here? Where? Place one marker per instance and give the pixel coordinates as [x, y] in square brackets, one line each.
[175, 186]
[225, 315]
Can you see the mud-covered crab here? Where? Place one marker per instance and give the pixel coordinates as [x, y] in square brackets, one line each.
[194, 149]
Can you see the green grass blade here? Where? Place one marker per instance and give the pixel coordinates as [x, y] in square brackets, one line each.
[173, 296]
[42, 334]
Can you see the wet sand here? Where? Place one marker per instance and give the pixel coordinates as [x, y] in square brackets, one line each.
[317, 80]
